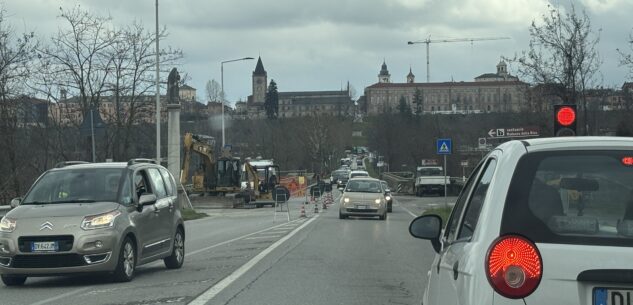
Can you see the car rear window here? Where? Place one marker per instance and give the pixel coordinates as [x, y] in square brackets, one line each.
[575, 197]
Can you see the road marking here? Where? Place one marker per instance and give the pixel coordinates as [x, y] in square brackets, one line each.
[61, 296]
[217, 288]
[262, 237]
[407, 210]
[78, 291]
[238, 238]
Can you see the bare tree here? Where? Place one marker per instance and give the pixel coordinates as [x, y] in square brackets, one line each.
[16, 54]
[213, 91]
[563, 51]
[77, 55]
[626, 56]
[132, 81]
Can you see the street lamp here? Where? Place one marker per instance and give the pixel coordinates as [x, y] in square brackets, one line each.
[222, 85]
[157, 92]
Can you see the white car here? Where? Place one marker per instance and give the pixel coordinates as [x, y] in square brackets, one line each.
[540, 221]
[358, 174]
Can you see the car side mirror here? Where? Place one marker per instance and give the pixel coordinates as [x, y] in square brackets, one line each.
[147, 199]
[15, 202]
[427, 227]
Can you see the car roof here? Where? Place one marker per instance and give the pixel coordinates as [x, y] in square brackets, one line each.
[120, 165]
[570, 143]
[364, 178]
[359, 172]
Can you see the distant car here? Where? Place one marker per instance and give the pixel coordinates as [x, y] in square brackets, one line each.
[337, 174]
[363, 197]
[93, 218]
[539, 221]
[388, 196]
[357, 174]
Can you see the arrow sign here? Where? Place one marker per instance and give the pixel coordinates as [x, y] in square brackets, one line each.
[444, 146]
[492, 133]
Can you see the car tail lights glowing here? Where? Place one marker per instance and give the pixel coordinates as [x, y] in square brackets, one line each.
[514, 266]
[628, 161]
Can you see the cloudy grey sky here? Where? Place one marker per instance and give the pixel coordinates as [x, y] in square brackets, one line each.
[320, 45]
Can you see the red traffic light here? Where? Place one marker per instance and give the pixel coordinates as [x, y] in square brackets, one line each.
[566, 116]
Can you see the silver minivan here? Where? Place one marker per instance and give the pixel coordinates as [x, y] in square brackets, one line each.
[93, 217]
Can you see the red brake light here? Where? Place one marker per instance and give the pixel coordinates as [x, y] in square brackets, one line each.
[566, 116]
[513, 266]
[627, 161]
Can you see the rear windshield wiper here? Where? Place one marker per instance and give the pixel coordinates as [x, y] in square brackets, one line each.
[75, 201]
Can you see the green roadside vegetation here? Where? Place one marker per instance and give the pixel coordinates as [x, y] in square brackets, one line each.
[443, 212]
[191, 214]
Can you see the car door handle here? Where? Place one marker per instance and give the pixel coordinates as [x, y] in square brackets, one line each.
[455, 270]
[171, 206]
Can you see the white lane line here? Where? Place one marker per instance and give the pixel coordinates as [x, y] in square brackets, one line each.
[61, 296]
[78, 291]
[262, 237]
[407, 210]
[217, 288]
[236, 239]
[279, 232]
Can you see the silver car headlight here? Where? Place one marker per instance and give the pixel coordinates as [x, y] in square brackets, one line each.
[346, 200]
[105, 220]
[7, 225]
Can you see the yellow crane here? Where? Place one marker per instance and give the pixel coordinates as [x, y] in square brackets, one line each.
[429, 41]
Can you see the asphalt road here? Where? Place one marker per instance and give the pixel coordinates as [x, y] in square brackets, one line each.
[242, 257]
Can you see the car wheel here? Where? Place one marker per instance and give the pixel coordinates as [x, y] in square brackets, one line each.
[13, 280]
[126, 265]
[177, 257]
[383, 217]
[341, 216]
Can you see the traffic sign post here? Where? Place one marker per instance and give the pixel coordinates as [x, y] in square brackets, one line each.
[445, 147]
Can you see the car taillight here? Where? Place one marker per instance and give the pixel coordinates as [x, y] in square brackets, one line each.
[514, 266]
[627, 161]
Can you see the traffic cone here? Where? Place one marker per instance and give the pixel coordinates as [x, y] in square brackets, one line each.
[316, 208]
[324, 207]
[303, 212]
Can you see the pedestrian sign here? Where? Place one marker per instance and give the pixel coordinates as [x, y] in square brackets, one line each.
[444, 146]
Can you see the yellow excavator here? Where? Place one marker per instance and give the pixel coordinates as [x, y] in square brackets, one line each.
[253, 182]
[217, 176]
[262, 181]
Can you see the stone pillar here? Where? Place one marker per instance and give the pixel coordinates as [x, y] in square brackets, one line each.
[173, 141]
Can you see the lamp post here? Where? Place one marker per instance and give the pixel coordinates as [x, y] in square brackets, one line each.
[222, 88]
[157, 93]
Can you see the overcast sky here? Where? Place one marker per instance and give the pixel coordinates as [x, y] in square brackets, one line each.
[321, 45]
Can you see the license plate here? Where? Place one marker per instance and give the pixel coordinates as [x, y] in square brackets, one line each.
[45, 246]
[612, 296]
[361, 207]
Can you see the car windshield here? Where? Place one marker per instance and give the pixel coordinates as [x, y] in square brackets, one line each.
[429, 172]
[363, 186]
[579, 198]
[76, 186]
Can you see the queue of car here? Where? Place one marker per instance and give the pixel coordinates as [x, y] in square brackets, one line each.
[539, 221]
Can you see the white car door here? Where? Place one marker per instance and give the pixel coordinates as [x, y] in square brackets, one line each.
[437, 291]
[455, 277]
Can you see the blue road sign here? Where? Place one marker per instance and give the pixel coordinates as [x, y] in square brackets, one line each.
[444, 146]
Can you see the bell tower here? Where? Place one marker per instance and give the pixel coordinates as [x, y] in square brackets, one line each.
[260, 83]
[384, 76]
